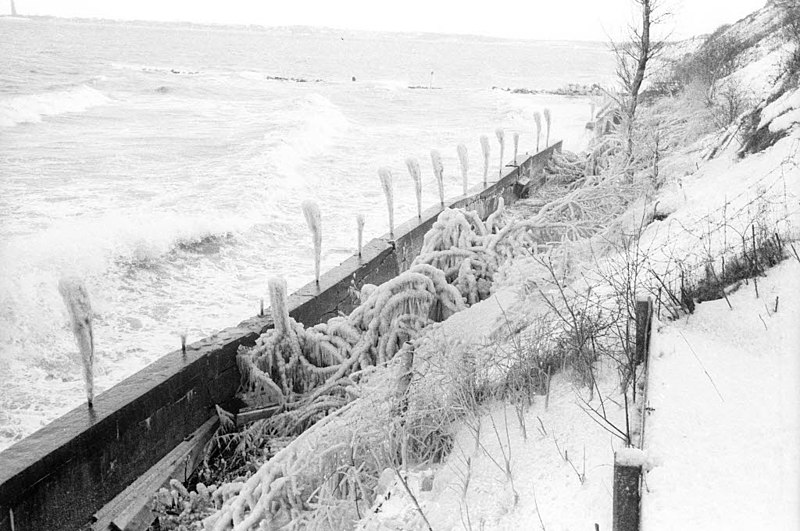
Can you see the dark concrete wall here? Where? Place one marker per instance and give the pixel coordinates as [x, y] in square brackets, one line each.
[58, 477]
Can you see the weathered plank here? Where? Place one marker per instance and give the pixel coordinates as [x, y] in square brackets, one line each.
[130, 509]
[249, 415]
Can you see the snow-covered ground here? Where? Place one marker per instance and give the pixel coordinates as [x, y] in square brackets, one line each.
[723, 444]
[560, 460]
[723, 438]
[540, 474]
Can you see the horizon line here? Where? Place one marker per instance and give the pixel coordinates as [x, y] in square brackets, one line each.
[331, 29]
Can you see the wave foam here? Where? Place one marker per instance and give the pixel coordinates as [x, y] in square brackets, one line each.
[108, 252]
[91, 246]
[313, 123]
[32, 108]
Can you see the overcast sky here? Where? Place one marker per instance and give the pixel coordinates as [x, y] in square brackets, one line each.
[529, 19]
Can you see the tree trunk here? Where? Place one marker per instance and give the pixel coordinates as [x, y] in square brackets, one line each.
[636, 85]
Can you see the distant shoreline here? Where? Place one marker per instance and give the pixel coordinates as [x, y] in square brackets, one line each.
[572, 89]
[292, 29]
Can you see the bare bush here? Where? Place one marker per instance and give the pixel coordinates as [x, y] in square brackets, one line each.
[791, 31]
[707, 75]
[729, 103]
[716, 59]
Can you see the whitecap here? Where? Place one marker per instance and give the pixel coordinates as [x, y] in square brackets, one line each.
[306, 127]
[32, 108]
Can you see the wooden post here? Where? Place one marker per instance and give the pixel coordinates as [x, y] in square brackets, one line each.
[627, 475]
[644, 317]
[644, 324]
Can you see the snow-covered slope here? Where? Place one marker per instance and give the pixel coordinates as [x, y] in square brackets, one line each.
[723, 441]
[723, 434]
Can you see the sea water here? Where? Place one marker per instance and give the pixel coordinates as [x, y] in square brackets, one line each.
[165, 165]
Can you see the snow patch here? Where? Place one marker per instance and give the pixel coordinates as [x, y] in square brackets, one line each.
[630, 457]
[782, 113]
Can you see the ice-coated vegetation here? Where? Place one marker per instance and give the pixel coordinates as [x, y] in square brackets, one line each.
[380, 398]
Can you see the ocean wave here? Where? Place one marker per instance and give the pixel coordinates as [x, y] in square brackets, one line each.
[306, 127]
[32, 108]
[110, 252]
[154, 238]
[92, 246]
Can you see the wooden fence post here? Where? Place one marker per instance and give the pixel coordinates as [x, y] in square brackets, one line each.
[644, 317]
[628, 462]
[627, 478]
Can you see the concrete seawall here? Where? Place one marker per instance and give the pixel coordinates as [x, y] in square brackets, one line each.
[58, 477]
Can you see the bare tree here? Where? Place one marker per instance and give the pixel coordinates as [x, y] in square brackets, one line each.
[790, 10]
[633, 56]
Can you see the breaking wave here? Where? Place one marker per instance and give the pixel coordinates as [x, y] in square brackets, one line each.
[313, 123]
[33, 108]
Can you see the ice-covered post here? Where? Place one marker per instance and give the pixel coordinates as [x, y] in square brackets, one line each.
[486, 152]
[360, 228]
[547, 121]
[537, 118]
[76, 298]
[463, 158]
[501, 137]
[627, 478]
[385, 175]
[438, 172]
[314, 222]
[416, 175]
[278, 304]
[644, 317]
[516, 147]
